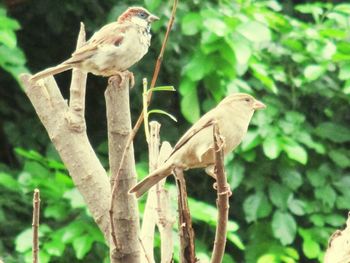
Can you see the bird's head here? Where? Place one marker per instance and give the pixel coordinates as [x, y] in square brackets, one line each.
[243, 102]
[139, 16]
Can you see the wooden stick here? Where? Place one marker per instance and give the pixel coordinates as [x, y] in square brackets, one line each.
[187, 248]
[35, 225]
[223, 192]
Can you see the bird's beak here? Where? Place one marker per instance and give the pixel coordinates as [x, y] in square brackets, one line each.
[258, 105]
[151, 18]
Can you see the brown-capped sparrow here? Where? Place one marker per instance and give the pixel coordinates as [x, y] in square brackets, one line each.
[195, 149]
[113, 49]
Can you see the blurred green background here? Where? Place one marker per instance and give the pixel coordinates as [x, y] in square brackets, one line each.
[290, 177]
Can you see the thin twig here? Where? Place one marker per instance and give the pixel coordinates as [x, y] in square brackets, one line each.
[35, 225]
[153, 82]
[187, 248]
[223, 192]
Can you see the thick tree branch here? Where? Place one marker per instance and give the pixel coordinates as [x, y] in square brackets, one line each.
[123, 207]
[35, 225]
[187, 247]
[73, 147]
[222, 200]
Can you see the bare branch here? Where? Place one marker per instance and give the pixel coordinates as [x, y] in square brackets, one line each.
[187, 248]
[73, 147]
[35, 225]
[222, 200]
[77, 91]
[123, 209]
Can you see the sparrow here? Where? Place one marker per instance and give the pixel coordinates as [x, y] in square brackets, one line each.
[195, 149]
[113, 49]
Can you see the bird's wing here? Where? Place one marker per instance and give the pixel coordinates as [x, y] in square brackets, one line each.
[206, 121]
[111, 34]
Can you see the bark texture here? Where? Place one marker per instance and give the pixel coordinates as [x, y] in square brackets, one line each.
[124, 206]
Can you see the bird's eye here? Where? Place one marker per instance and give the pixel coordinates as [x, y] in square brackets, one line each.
[247, 100]
[142, 15]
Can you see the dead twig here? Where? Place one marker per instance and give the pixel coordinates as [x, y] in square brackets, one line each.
[187, 248]
[223, 192]
[35, 225]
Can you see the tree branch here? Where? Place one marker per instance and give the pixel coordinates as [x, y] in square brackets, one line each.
[222, 200]
[123, 207]
[71, 142]
[35, 225]
[187, 248]
[76, 116]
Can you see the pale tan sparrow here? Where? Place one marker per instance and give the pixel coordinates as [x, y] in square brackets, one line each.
[195, 149]
[113, 49]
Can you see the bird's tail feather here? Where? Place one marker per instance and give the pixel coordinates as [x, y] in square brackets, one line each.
[50, 71]
[152, 179]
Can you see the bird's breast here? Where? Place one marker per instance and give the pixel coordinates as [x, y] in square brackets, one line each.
[110, 59]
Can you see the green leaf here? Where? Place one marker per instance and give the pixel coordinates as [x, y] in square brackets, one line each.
[279, 195]
[256, 206]
[311, 248]
[8, 23]
[313, 72]
[55, 247]
[284, 227]
[291, 178]
[197, 67]
[189, 101]
[82, 245]
[162, 112]
[250, 141]
[333, 131]
[152, 4]
[271, 147]
[73, 230]
[255, 31]
[297, 207]
[340, 157]
[335, 220]
[344, 72]
[24, 241]
[8, 38]
[343, 184]
[163, 88]
[9, 182]
[75, 198]
[191, 23]
[216, 25]
[294, 151]
[327, 195]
